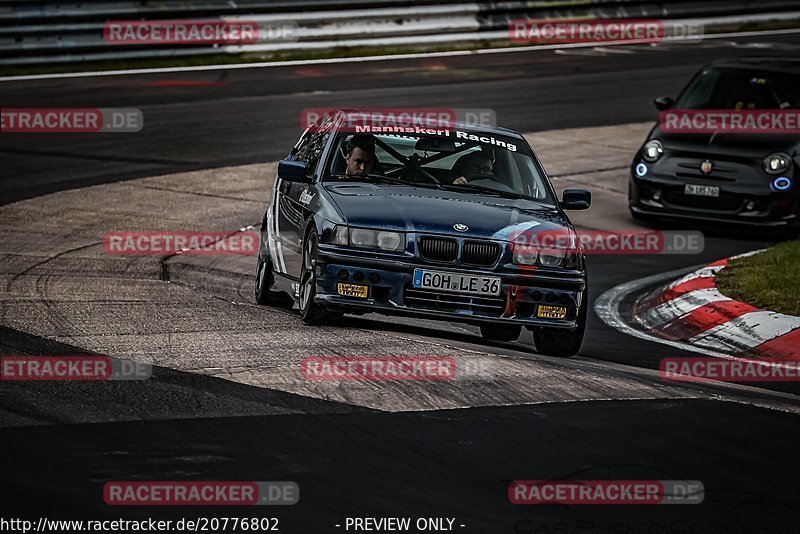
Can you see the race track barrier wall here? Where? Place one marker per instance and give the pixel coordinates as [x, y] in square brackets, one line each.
[37, 32]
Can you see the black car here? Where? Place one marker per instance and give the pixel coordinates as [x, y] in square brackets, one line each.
[727, 175]
[410, 238]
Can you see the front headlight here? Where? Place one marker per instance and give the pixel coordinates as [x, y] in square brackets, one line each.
[573, 260]
[546, 257]
[550, 248]
[652, 150]
[363, 238]
[777, 163]
[338, 235]
[552, 257]
[389, 241]
[525, 255]
[379, 239]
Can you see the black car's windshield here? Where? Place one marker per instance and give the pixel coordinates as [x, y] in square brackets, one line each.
[740, 89]
[480, 163]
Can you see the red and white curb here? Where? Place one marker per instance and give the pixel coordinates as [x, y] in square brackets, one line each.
[691, 310]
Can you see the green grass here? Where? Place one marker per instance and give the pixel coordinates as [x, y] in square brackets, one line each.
[770, 280]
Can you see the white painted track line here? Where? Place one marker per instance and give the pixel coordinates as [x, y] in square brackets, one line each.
[390, 57]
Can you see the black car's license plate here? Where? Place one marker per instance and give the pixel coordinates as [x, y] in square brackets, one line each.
[701, 190]
[456, 283]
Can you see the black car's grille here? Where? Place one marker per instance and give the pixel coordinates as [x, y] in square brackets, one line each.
[438, 249]
[723, 172]
[431, 300]
[480, 253]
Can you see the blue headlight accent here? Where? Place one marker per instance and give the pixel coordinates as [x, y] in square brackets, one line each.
[641, 170]
[781, 183]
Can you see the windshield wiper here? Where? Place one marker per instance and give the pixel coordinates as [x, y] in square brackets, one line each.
[466, 188]
[376, 177]
[386, 179]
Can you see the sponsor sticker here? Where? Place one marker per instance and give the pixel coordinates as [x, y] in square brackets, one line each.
[551, 312]
[352, 290]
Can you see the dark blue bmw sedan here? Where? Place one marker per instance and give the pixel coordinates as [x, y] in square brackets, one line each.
[441, 223]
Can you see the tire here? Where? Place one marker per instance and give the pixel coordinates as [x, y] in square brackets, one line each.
[265, 277]
[560, 342]
[500, 332]
[311, 312]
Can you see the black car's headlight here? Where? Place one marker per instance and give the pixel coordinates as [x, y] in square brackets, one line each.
[366, 238]
[777, 163]
[652, 150]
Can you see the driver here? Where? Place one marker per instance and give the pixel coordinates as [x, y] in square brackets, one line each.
[477, 165]
[360, 155]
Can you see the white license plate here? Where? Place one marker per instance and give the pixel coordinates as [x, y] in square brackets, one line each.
[456, 283]
[701, 190]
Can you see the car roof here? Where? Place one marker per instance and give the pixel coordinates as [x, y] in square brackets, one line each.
[461, 125]
[761, 63]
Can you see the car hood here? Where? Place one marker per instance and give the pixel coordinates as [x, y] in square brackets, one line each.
[421, 209]
[747, 145]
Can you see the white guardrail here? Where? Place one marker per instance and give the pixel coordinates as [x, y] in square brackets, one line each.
[36, 32]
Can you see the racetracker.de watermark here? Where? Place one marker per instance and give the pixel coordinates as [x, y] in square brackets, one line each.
[400, 120]
[200, 493]
[685, 369]
[71, 368]
[378, 368]
[751, 121]
[163, 243]
[71, 120]
[622, 492]
[618, 31]
[197, 32]
[606, 242]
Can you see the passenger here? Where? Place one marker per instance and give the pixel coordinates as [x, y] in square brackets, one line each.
[476, 165]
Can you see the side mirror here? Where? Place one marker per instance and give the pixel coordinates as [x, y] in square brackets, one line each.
[663, 103]
[292, 171]
[576, 199]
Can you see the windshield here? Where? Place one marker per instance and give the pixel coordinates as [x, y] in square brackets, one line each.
[479, 163]
[719, 88]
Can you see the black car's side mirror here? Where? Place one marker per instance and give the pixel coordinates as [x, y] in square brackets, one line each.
[292, 171]
[576, 199]
[663, 103]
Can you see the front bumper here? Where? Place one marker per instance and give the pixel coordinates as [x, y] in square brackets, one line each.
[660, 196]
[391, 291]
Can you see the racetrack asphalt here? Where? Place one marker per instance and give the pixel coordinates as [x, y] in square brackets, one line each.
[224, 403]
